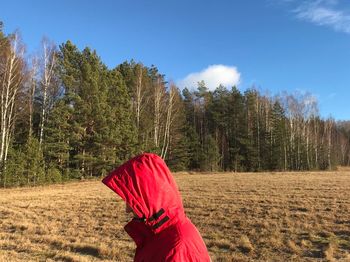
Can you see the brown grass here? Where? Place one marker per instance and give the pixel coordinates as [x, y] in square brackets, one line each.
[242, 217]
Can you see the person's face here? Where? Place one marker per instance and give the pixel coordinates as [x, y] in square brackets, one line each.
[128, 209]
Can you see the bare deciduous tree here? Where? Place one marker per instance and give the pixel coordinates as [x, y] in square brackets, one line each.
[169, 120]
[139, 94]
[11, 77]
[328, 132]
[158, 98]
[32, 88]
[48, 88]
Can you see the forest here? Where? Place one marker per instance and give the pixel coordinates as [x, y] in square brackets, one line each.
[66, 115]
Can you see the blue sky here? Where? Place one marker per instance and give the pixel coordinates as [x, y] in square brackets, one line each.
[276, 45]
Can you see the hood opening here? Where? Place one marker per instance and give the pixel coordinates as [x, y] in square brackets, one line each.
[146, 184]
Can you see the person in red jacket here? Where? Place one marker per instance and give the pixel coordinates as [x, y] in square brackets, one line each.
[161, 230]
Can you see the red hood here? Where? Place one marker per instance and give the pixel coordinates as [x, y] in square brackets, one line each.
[147, 186]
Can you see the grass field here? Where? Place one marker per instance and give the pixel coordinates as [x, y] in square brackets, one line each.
[242, 217]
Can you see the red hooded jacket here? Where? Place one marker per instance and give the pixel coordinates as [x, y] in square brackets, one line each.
[164, 233]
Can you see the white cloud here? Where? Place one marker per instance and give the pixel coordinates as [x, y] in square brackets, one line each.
[324, 14]
[213, 76]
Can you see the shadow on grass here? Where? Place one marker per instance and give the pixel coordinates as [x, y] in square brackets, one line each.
[87, 250]
[77, 248]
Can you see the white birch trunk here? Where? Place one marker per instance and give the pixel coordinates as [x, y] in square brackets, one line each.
[49, 62]
[9, 84]
[166, 138]
[31, 95]
[157, 111]
[139, 98]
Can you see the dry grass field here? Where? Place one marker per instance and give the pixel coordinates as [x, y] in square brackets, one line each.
[242, 217]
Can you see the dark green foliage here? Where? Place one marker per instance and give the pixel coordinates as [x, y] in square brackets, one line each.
[277, 136]
[13, 175]
[25, 166]
[58, 135]
[53, 175]
[194, 148]
[97, 104]
[103, 117]
[251, 132]
[210, 156]
[34, 163]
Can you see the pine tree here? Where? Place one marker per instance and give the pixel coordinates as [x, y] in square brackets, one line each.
[58, 130]
[34, 168]
[220, 116]
[252, 150]
[277, 154]
[210, 155]
[178, 157]
[122, 133]
[15, 168]
[238, 135]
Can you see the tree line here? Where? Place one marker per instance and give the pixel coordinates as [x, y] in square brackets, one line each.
[66, 115]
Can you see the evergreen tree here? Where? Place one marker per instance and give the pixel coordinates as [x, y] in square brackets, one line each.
[220, 123]
[34, 167]
[58, 130]
[252, 150]
[15, 168]
[210, 156]
[121, 133]
[277, 154]
[179, 156]
[101, 117]
[237, 131]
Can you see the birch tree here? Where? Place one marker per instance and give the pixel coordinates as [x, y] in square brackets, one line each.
[169, 120]
[11, 77]
[329, 124]
[139, 94]
[32, 88]
[158, 95]
[49, 63]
